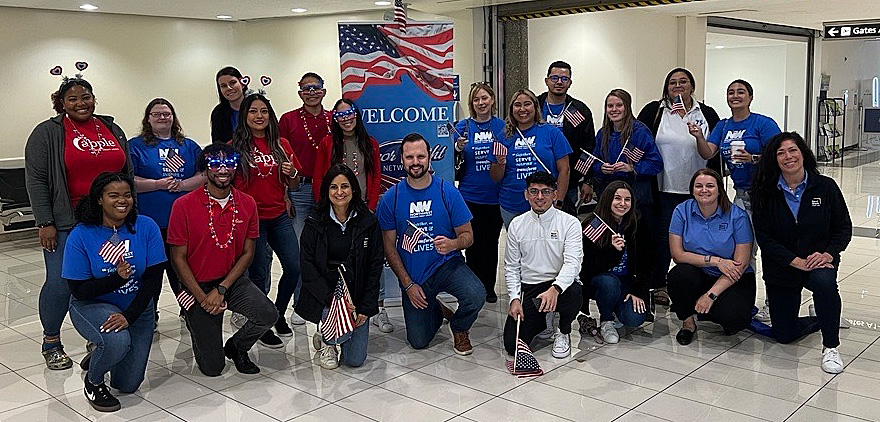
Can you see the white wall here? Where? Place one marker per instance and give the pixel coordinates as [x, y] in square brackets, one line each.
[630, 49]
[133, 59]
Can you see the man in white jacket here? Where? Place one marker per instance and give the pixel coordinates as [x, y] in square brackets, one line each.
[541, 265]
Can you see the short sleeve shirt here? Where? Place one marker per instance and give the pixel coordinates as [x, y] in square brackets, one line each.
[717, 235]
[476, 185]
[264, 182]
[151, 162]
[756, 130]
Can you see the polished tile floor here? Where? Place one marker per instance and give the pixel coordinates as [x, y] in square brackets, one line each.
[646, 377]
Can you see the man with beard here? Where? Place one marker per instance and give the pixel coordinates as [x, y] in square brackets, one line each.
[426, 224]
[573, 118]
[212, 232]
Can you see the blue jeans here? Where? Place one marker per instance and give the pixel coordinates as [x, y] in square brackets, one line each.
[303, 200]
[124, 354]
[353, 344]
[279, 234]
[508, 216]
[55, 294]
[610, 292]
[453, 277]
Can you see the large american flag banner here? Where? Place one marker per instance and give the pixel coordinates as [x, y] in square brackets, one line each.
[382, 53]
[524, 363]
[340, 319]
[113, 249]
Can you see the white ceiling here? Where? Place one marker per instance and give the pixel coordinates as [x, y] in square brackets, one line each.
[716, 40]
[803, 13]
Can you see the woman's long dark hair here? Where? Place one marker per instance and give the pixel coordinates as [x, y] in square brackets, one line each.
[665, 97]
[229, 71]
[89, 211]
[603, 210]
[360, 133]
[767, 171]
[357, 201]
[147, 129]
[607, 126]
[243, 138]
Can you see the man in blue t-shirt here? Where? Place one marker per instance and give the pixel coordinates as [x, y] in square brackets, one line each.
[425, 225]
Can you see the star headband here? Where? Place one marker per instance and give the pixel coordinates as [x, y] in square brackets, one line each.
[57, 71]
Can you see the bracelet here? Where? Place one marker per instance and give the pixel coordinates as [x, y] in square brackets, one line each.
[411, 284]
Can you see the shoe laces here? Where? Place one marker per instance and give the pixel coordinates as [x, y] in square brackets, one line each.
[831, 353]
[102, 391]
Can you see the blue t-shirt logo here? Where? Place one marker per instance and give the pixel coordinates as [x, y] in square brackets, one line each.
[526, 142]
[722, 226]
[483, 137]
[419, 209]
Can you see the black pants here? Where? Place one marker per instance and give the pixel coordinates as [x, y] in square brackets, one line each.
[533, 322]
[482, 256]
[785, 304]
[660, 237]
[173, 281]
[206, 330]
[733, 308]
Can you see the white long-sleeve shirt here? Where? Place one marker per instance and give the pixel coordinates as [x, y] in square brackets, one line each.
[541, 248]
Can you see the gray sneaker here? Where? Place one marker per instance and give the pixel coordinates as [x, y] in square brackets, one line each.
[382, 321]
[548, 332]
[763, 314]
[608, 332]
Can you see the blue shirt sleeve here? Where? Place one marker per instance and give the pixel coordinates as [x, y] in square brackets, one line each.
[76, 264]
[676, 225]
[458, 211]
[651, 163]
[561, 148]
[384, 212]
[767, 129]
[742, 226]
[717, 133]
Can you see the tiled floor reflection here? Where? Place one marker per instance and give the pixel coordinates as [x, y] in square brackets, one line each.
[646, 377]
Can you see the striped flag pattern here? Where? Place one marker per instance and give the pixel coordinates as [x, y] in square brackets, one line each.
[524, 364]
[400, 15]
[633, 153]
[410, 237]
[339, 320]
[595, 229]
[584, 163]
[677, 104]
[574, 117]
[173, 161]
[185, 299]
[113, 249]
[499, 149]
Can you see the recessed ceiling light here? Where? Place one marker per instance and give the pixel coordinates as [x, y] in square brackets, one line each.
[382, 3]
[224, 17]
[88, 7]
[719, 46]
[298, 10]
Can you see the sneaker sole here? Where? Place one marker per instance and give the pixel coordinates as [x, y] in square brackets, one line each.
[459, 352]
[102, 408]
[290, 334]
[271, 346]
[386, 330]
[561, 356]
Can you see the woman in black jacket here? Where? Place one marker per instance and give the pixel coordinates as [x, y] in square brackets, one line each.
[802, 225]
[231, 88]
[617, 265]
[341, 230]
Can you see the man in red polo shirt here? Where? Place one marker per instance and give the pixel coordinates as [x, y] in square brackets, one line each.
[304, 128]
[212, 232]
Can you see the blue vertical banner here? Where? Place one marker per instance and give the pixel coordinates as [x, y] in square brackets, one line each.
[401, 79]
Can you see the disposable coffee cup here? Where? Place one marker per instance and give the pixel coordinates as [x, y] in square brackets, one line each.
[736, 147]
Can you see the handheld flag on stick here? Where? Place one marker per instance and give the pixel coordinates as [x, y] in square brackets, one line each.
[524, 364]
[411, 237]
[340, 318]
[499, 149]
[595, 228]
[678, 105]
[173, 161]
[113, 249]
[633, 153]
[574, 117]
[585, 161]
[185, 299]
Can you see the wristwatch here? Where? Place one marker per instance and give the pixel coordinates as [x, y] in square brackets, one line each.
[221, 289]
[712, 296]
[558, 289]
[46, 224]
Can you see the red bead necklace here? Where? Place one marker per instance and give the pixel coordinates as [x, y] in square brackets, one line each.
[312, 140]
[211, 228]
[79, 137]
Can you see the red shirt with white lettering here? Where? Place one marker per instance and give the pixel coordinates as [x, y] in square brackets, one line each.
[189, 226]
[305, 133]
[265, 183]
[89, 150]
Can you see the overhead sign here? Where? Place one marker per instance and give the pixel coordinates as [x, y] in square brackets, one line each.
[851, 31]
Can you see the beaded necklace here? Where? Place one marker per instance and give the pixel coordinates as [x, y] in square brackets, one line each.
[354, 157]
[312, 140]
[488, 124]
[80, 137]
[211, 228]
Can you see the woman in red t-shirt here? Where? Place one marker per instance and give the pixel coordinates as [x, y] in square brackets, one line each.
[268, 169]
[63, 156]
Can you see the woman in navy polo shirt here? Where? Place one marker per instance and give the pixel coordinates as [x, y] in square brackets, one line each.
[710, 240]
[531, 146]
[476, 136]
[164, 163]
[113, 263]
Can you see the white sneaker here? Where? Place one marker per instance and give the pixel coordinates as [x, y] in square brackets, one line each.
[237, 320]
[763, 314]
[608, 332]
[561, 345]
[329, 358]
[551, 327]
[296, 319]
[831, 362]
[381, 320]
[843, 323]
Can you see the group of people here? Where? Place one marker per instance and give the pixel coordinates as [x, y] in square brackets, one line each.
[115, 214]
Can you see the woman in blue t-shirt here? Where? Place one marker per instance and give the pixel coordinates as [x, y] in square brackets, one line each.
[476, 136]
[710, 240]
[530, 145]
[113, 263]
[164, 163]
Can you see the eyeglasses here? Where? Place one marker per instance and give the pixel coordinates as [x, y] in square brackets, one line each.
[216, 163]
[344, 114]
[311, 88]
[165, 115]
[545, 191]
[680, 82]
[557, 78]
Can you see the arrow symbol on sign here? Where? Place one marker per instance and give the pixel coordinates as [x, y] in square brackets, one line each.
[832, 32]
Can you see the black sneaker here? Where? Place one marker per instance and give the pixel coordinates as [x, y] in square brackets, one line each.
[84, 363]
[100, 398]
[282, 328]
[270, 340]
[240, 358]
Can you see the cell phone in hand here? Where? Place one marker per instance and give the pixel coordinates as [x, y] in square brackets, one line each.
[537, 302]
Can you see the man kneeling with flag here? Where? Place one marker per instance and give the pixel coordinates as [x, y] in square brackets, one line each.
[541, 265]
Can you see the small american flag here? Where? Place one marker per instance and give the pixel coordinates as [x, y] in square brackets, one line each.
[173, 161]
[411, 237]
[185, 299]
[677, 104]
[524, 364]
[400, 14]
[574, 117]
[633, 153]
[584, 163]
[113, 249]
[595, 229]
[499, 149]
[339, 320]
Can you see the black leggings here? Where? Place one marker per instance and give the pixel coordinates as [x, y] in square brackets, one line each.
[482, 256]
[173, 281]
[785, 304]
[733, 308]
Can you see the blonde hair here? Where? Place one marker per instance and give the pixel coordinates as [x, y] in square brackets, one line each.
[485, 87]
